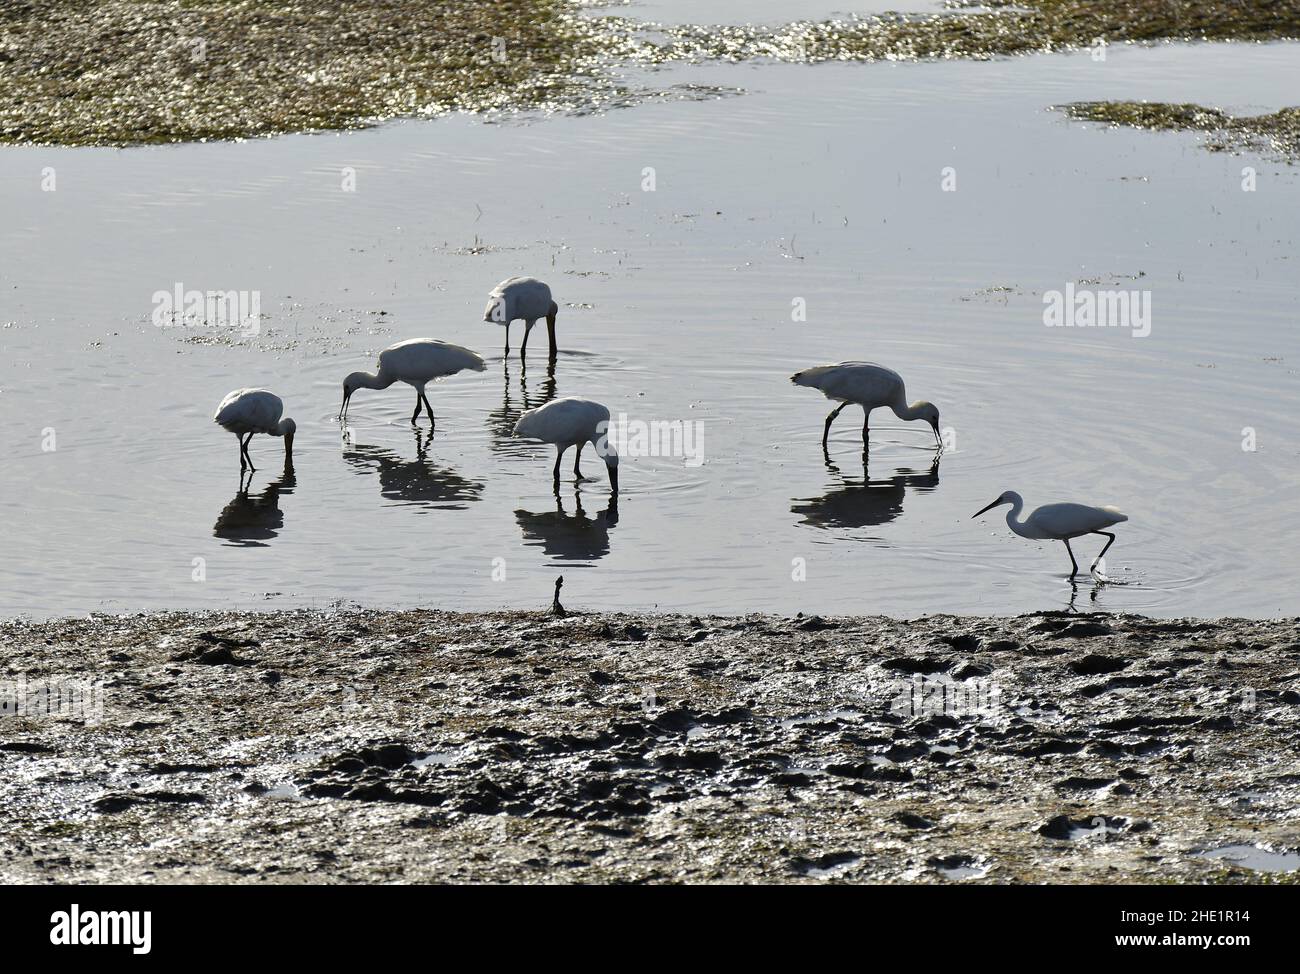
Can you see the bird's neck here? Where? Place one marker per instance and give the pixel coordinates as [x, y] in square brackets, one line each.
[905, 412]
[375, 381]
[1013, 521]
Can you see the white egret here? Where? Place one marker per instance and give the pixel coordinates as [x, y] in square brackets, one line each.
[572, 422]
[248, 411]
[1060, 522]
[870, 386]
[416, 362]
[524, 298]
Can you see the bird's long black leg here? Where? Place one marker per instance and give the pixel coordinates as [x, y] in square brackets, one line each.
[523, 349]
[1072, 561]
[416, 415]
[830, 419]
[242, 465]
[251, 468]
[559, 454]
[577, 459]
[506, 354]
[428, 409]
[866, 420]
[1104, 534]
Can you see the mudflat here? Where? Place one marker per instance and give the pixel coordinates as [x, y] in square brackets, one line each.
[322, 746]
[138, 72]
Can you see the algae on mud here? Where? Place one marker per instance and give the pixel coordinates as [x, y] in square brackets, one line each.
[416, 746]
[1277, 133]
[1000, 28]
[132, 72]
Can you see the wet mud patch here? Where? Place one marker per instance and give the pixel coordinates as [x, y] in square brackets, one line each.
[512, 746]
[984, 29]
[1256, 858]
[1276, 134]
[137, 72]
[958, 866]
[628, 767]
[825, 866]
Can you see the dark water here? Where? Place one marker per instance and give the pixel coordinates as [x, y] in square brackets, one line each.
[821, 183]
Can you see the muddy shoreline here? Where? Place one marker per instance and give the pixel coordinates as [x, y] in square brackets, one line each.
[424, 746]
[1276, 134]
[141, 72]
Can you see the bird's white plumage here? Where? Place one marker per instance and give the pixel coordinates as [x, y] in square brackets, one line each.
[420, 360]
[250, 411]
[1060, 521]
[870, 386]
[564, 422]
[517, 298]
[864, 383]
[572, 422]
[245, 412]
[416, 361]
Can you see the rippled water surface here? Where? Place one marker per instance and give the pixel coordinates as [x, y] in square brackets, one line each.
[819, 183]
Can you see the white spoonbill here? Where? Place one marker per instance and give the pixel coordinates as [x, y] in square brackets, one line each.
[1059, 522]
[416, 362]
[248, 411]
[572, 422]
[870, 386]
[526, 298]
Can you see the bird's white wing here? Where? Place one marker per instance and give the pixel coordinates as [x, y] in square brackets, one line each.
[457, 358]
[255, 409]
[422, 359]
[225, 410]
[863, 382]
[1071, 520]
[518, 297]
[569, 420]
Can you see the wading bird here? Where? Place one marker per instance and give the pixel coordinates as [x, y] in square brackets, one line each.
[248, 411]
[572, 422]
[870, 386]
[416, 362]
[524, 298]
[1059, 522]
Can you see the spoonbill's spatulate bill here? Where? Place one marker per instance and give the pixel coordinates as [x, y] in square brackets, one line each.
[869, 386]
[572, 422]
[1059, 522]
[248, 411]
[416, 362]
[524, 298]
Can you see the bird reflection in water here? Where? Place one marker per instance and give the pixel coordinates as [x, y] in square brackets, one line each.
[576, 536]
[501, 421]
[251, 520]
[865, 503]
[1074, 594]
[417, 482]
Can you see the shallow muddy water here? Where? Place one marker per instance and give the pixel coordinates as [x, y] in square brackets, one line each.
[820, 183]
